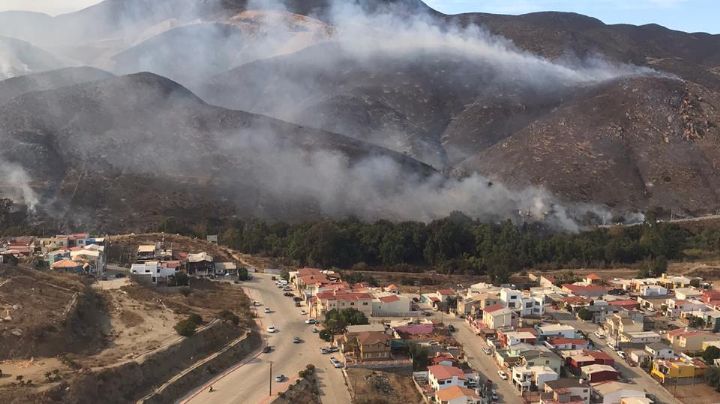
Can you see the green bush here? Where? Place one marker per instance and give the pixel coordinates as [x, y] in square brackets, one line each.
[195, 318]
[186, 328]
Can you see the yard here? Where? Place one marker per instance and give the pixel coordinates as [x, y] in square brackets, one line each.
[373, 386]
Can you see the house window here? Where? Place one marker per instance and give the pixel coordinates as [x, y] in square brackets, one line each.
[352, 304]
[364, 303]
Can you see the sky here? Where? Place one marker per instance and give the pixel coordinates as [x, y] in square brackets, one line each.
[684, 15]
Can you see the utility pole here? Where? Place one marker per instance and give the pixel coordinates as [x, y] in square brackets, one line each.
[270, 381]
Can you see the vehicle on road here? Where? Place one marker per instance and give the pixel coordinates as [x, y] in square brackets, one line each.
[495, 396]
[451, 328]
[487, 351]
[303, 312]
[271, 329]
[256, 303]
[267, 310]
[266, 349]
[502, 375]
[297, 340]
[622, 354]
[279, 378]
[288, 294]
[310, 321]
[336, 363]
[599, 334]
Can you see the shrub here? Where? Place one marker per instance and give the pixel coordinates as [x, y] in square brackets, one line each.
[195, 318]
[229, 316]
[181, 279]
[186, 328]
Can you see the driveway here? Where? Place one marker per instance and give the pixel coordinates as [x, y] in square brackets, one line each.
[250, 381]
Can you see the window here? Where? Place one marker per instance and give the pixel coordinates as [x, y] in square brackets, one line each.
[352, 303]
[364, 303]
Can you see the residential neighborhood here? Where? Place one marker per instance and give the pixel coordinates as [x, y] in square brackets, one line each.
[592, 340]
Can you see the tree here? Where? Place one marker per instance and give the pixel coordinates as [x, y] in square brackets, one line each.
[585, 314]
[419, 355]
[337, 320]
[710, 354]
[181, 279]
[695, 322]
[243, 274]
[186, 328]
[712, 377]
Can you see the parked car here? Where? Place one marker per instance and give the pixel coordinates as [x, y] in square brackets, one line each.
[256, 303]
[451, 328]
[336, 363]
[487, 351]
[288, 294]
[297, 304]
[266, 349]
[296, 340]
[599, 334]
[502, 375]
[622, 354]
[279, 378]
[271, 329]
[267, 310]
[310, 321]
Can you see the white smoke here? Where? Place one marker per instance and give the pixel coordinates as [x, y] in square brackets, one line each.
[15, 185]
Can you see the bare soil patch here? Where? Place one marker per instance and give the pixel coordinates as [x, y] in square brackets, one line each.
[373, 386]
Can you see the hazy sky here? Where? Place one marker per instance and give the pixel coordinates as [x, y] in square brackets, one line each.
[685, 15]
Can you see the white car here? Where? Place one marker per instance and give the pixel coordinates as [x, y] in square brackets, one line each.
[271, 329]
[336, 363]
[279, 378]
[311, 321]
[303, 312]
[621, 354]
[267, 310]
[502, 375]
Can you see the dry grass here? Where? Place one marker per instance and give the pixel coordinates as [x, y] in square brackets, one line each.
[373, 386]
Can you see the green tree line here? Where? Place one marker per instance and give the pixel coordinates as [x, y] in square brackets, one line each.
[459, 244]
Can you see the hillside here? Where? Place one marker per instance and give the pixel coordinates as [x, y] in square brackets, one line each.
[105, 146]
[16, 86]
[375, 98]
[19, 57]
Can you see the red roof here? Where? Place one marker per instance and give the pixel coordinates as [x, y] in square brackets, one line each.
[392, 286]
[598, 355]
[494, 307]
[580, 289]
[593, 276]
[565, 341]
[446, 292]
[389, 299]
[623, 303]
[442, 372]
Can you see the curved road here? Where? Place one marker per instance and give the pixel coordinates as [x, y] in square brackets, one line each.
[250, 380]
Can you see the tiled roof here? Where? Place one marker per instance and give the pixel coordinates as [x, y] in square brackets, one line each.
[389, 299]
[455, 392]
[442, 372]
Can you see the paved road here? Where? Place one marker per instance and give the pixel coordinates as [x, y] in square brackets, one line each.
[639, 377]
[480, 361]
[249, 383]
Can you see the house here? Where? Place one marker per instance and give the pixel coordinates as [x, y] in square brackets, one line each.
[92, 255]
[612, 392]
[53, 243]
[546, 331]
[593, 279]
[687, 340]
[641, 337]
[687, 293]
[222, 268]
[152, 271]
[542, 357]
[457, 395]
[145, 252]
[212, 238]
[654, 303]
[497, 316]
[441, 377]
[547, 281]
[310, 281]
[340, 300]
[56, 255]
[563, 343]
[392, 288]
[390, 304]
[200, 263]
[565, 390]
[591, 291]
[680, 368]
[619, 323]
[674, 282]
[532, 378]
[658, 350]
[587, 358]
[67, 266]
[681, 308]
[522, 302]
[509, 338]
[652, 291]
[412, 331]
[368, 346]
[444, 358]
[598, 373]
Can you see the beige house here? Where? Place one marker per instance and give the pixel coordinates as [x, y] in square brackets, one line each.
[497, 316]
[684, 340]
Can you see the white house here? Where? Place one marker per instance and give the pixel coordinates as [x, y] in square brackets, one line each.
[523, 303]
[652, 290]
[441, 377]
[687, 293]
[658, 350]
[154, 270]
[391, 304]
[555, 330]
[525, 377]
[611, 392]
